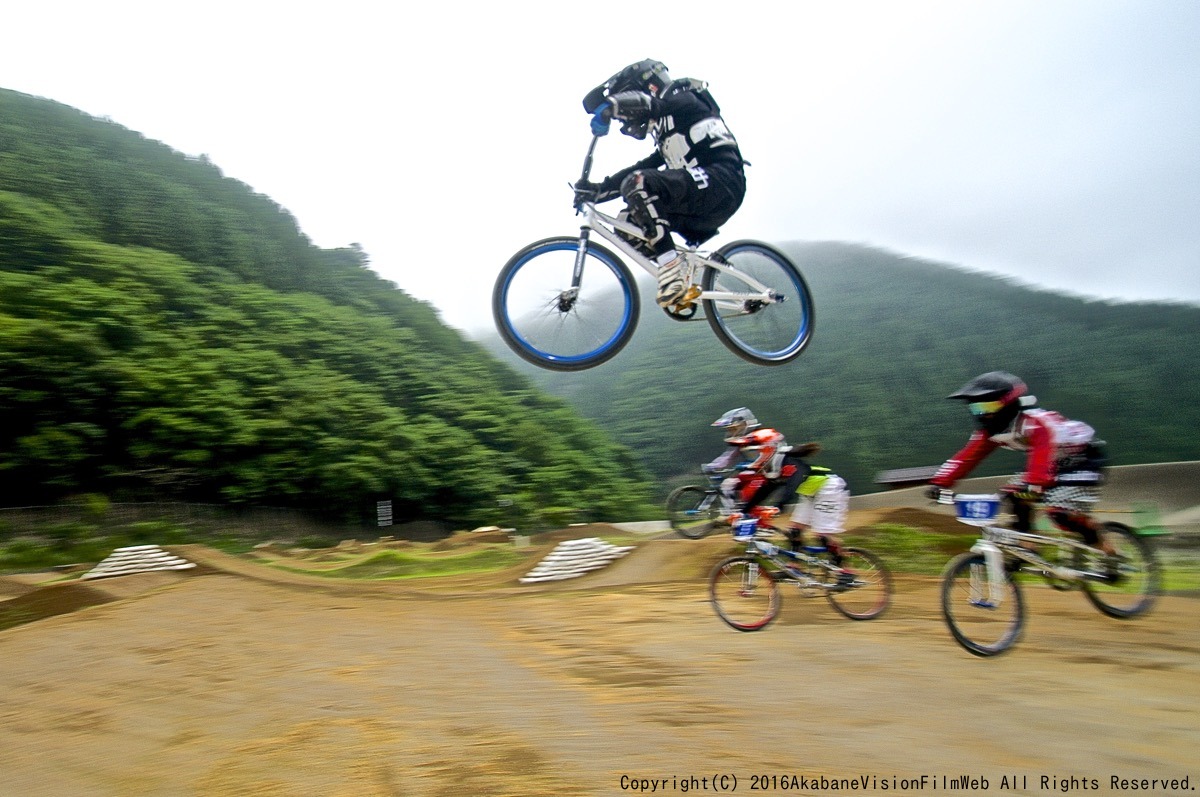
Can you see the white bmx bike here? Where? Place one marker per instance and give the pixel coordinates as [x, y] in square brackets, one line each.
[568, 303]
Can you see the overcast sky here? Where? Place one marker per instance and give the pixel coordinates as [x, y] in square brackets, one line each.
[1055, 141]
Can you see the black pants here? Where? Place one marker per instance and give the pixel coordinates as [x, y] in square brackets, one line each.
[692, 202]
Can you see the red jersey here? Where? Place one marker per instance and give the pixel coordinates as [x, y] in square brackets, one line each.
[1045, 435]
[770, 447]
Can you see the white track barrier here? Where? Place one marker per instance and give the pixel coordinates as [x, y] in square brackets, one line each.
[574, 558]
[137, 559]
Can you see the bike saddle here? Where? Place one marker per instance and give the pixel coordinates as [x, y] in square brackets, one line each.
[695, 238]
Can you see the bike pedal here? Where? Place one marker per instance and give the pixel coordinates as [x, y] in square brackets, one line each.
[681, 312]
[684, 309]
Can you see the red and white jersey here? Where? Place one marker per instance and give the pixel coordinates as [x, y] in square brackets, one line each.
[769, 446]
[1045, 435]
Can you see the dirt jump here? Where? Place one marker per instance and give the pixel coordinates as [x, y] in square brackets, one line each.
[236, 679]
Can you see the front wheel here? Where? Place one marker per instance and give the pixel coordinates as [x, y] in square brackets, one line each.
[1134, 582]
[558, 319]
[986, 618]
[869, 595]
[764, 313]
[692, 511]
[743, 594]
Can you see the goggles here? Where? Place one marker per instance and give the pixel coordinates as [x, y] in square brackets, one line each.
[979, 408]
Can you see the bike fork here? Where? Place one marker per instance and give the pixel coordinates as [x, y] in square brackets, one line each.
[580, 256]
[993, 558]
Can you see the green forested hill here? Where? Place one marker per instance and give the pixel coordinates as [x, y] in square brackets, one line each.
[165, 332]
[894, 335]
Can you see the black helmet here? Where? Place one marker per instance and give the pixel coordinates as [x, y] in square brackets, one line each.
[649, 76]
[994, 399]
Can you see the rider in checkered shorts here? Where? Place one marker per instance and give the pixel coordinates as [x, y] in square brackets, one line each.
[1064, 460]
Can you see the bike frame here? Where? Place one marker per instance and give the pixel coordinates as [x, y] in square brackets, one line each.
[713, 493]
[998, 545]
[607, 227]
[778, 555]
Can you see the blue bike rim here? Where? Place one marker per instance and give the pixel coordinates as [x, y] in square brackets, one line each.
[574, 360]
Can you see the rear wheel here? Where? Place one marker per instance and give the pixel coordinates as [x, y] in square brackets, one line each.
[985, 618]
[693, 511]
[743, 594]
[763, 331]
[1138, 578]
[870, 594]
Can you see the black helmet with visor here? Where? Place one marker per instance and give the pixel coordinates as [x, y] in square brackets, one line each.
[648, 75]
[994, 399]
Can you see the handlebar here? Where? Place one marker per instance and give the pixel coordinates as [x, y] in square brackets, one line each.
[587, 161]
[580, 200]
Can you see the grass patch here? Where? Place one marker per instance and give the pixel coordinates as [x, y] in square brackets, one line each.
[398, 565]
[30, 555]
[908, 549]
[1180, 571]
[11, 617]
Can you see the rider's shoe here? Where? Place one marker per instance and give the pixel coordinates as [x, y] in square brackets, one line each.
[845, 580]
[671, 288]
[685, 308]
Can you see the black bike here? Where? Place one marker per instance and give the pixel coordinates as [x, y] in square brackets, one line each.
[695, 511]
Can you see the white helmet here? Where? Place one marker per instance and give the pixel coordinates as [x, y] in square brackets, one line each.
[737, 423]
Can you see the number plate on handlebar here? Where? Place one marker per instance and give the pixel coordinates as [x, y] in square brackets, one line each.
[976, 510]
[745, 529]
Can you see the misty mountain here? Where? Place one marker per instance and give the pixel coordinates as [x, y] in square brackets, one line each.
[894, 335]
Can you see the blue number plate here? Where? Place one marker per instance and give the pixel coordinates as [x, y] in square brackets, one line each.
[976, 509]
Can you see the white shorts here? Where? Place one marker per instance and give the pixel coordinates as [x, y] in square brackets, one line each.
[825, 512]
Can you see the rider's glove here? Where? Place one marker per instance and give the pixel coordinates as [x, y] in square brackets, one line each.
[939, 494]
[585, 192]
[601, 119]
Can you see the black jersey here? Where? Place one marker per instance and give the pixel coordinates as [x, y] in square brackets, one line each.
[690, 136]
[688, 129]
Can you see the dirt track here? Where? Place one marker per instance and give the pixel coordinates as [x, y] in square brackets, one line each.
[222, 684]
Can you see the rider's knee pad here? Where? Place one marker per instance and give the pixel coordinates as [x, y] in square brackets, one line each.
[642, 210]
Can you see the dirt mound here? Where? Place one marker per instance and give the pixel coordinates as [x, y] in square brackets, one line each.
[906, 516]
[69, 596]
[577, 533]
[466, 538]
[13, 587]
